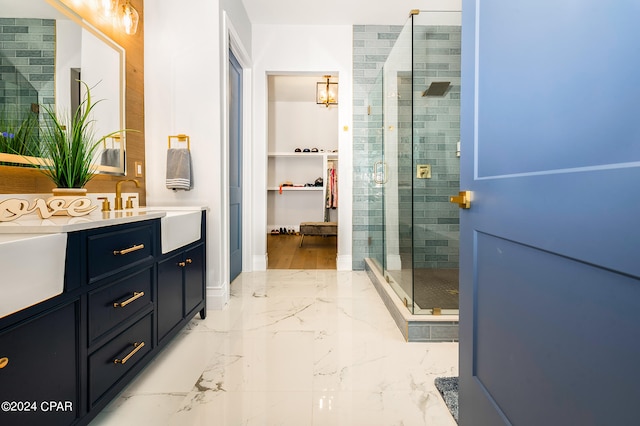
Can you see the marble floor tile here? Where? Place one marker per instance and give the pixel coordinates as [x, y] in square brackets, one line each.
[246, 408]
[291, 348]
[389, 408]
[141, 409]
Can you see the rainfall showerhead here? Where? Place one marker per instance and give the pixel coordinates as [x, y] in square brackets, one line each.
[437, 88]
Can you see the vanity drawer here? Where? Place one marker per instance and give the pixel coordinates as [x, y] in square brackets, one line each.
[112, 361]
[38, 364]
[113, 251]
[114, 303]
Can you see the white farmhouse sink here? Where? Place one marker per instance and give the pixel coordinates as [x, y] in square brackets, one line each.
[31, 269]
[180, 226]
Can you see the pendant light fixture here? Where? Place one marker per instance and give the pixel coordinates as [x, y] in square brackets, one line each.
[106, 8]
[326, 92]
[129, 17]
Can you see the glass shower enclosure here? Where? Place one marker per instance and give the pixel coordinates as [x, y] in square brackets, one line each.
[414, 119]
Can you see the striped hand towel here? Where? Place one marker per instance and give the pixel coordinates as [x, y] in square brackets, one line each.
[179, 173]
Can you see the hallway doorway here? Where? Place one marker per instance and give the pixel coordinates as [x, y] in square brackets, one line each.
[302, 170]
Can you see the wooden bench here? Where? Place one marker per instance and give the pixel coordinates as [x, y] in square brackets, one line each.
[318, 228]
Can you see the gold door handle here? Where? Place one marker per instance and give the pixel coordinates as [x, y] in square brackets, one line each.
[137, 346]
[189, 261]
[136, 295]
[182, 264]
[3, 362]
[463, 200]
[129, 250]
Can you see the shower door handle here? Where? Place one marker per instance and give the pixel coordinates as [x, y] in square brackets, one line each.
[463, 200]
[376, 173]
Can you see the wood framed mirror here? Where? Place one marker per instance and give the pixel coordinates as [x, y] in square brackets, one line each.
[47, 48]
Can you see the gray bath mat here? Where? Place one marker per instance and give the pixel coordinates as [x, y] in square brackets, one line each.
[448, 388]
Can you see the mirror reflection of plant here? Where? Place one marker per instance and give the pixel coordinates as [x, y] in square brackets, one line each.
[21, 138]
[69, 144]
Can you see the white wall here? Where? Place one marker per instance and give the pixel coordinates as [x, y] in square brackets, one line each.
[185, 59]
[296, 49]
[302, 125]
[68, 56]
[100, 69]
[101, 63]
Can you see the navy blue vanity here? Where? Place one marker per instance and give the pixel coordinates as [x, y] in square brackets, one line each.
[64, 359]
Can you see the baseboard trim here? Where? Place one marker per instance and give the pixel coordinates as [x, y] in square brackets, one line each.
[260, 262]
[217, 297]
[344, 263]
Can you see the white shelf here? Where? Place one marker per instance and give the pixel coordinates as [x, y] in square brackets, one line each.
[295, 188]
[303, 154]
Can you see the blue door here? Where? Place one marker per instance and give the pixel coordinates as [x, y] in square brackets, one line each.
[550, 287]
[235, 166]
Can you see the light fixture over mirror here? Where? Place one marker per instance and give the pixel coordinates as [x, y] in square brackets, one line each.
[107, 8]
[129, 17]
[121, 13]
[327, 92]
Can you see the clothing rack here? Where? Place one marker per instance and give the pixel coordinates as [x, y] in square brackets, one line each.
[331, 195]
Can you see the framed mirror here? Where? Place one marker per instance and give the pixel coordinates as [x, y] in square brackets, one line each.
[45, 49]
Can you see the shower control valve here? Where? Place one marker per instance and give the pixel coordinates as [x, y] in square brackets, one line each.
[423, 171]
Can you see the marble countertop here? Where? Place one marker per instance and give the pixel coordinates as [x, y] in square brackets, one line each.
[32, 224]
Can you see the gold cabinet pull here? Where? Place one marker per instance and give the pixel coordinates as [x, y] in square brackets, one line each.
[129, 250]
[136, 295]
[463, 200]
[188, 261]
[136, 347]
[3, 362]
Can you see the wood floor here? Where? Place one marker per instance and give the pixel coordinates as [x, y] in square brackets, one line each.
[316, 252]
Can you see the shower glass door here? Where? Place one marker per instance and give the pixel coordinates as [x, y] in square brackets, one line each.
[413, 140]
[397, 157]
[435, 92]
[375, 220]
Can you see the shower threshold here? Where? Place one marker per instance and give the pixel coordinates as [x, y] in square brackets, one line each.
[427, 288]
[420, 327]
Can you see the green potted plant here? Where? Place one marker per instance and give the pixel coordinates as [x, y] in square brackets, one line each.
[69, 144]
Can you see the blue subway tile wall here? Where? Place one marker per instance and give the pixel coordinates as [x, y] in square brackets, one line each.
[436, 221]
[27, 63]
[436, 130]
[371, 47]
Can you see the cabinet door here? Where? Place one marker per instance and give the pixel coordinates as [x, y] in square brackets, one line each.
[39, 372]
[193, 278]
[170, 298]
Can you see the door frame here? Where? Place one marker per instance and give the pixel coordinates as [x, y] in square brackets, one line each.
[235, 165]
[231, 41]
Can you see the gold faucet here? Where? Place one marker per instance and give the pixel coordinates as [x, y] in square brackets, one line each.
[118, 200]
